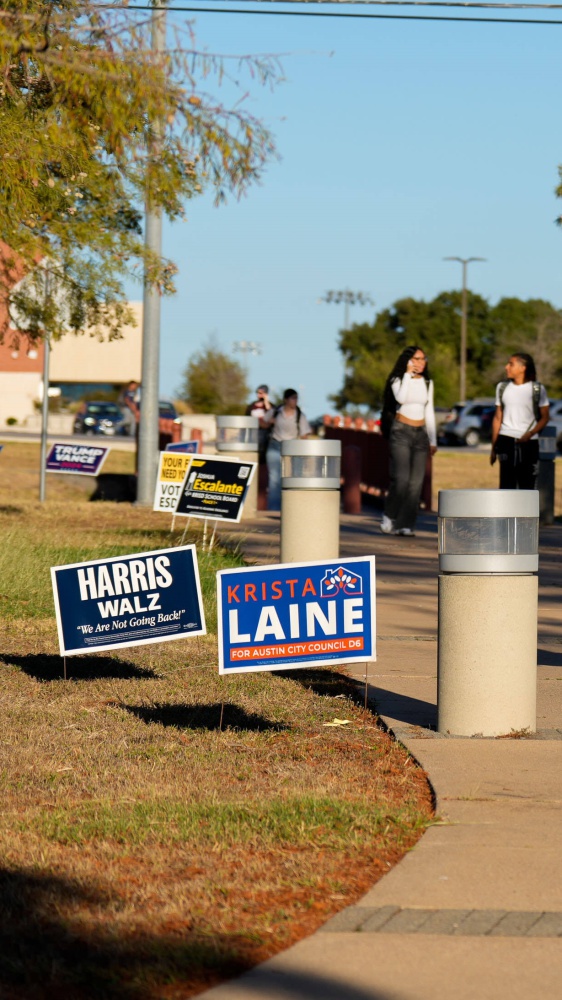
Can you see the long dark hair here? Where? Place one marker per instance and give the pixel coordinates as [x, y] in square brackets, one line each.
[526, 359]
[399, 370]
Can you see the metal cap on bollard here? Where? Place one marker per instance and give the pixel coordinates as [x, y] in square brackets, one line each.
[310, 465]
[488, 531]
[237, 433]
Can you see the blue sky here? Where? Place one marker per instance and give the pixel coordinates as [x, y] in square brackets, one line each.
[401, 143]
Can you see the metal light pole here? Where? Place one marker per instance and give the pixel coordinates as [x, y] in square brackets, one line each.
[44, 404]
[348, 298]
[150, 372]
[465, 261]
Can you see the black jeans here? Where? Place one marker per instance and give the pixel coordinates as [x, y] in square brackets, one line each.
[409, 447]
[519, 463]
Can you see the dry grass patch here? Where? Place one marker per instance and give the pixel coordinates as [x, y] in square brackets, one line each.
[463, 469]
[163, 827]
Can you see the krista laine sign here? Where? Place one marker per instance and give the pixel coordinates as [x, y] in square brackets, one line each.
[296, 615]
[128, 600]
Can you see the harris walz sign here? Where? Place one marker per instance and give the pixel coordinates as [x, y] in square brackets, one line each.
[215, 487]
[128, 600]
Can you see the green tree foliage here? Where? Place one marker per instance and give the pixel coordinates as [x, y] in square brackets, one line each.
[493, 333]
[83, 101]
[214, 383]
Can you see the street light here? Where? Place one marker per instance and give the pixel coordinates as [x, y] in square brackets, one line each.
[464, 261]
[348, 298]
[245, 347]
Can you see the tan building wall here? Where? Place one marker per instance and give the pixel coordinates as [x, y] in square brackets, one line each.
[86, 359]
[18, 390]
[73, 359]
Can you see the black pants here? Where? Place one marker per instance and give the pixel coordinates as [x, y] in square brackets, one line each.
[409, 448]
[519, 463]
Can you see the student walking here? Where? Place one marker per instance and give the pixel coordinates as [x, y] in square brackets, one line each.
[409, 393]
[522, 410]
[287, 423]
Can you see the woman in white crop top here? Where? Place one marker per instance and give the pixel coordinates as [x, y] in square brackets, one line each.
[409, 390]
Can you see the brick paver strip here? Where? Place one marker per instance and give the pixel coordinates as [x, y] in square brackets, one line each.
[473, 923]
[480, 922]
[379, 918]
[515, 924]
[353, 917]
[406, 922]
[549, 925]
[445, 922]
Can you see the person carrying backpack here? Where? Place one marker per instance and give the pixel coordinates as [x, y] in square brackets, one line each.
[287, 423]
[522, 410]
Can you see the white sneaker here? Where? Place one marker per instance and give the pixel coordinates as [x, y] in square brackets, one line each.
[386, 525]
[404, 531]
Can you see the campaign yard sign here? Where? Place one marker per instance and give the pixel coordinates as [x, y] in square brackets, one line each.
[215, 487]
[296, 615]
[189, 447]
[172, 470]
[80, 459]
[128, 600]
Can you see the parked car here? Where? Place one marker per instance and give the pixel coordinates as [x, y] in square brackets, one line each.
[100, 417]
[556, 420]
[468, 423]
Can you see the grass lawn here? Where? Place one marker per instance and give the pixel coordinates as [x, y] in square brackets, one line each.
[146, 851]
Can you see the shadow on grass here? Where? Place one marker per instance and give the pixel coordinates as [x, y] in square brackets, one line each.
[78, 668]
[49, 951]
[326, 683]
[9, 509]
[204, 717]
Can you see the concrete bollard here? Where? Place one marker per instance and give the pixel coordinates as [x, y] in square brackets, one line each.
[351, 475]
[237, 437]
[310, 500]
[488, 597]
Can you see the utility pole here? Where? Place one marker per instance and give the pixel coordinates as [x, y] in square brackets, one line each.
[465, 261]
[150, 372]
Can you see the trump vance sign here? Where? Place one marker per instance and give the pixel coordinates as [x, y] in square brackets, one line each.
[296, 615]
[80, 459]
[128, 600]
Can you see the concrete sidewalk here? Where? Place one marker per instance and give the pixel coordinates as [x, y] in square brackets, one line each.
[474, 911]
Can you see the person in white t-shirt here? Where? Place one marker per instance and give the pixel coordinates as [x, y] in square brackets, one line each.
[409, 392]
[287, 423]
[522, 410]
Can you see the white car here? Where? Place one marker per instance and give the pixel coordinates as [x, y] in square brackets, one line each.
[556, 420]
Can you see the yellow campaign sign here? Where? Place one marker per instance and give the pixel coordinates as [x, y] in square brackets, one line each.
[172, 471]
